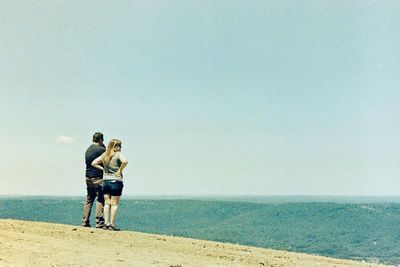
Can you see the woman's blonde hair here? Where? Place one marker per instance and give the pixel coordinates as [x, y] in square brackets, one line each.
[110, 150]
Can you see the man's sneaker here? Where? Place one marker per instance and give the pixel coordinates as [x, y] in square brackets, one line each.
[106, 227]
[85, 225]
[113, 227]
[101, 225]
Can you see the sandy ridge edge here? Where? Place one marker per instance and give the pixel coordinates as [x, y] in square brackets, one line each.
[26, 243]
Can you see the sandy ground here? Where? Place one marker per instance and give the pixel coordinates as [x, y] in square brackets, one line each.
[25, 243]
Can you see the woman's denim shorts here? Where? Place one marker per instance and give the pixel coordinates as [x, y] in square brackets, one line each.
[112, 187]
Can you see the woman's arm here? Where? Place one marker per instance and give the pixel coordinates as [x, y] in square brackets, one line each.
[124, 162]
[96, 163]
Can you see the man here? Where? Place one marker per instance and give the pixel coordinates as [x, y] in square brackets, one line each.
[94, 178]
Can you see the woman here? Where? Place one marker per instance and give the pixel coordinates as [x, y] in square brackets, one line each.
[113, 164]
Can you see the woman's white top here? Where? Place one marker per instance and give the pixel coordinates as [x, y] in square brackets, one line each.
[113, 166]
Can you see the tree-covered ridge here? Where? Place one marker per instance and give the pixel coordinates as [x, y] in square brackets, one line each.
[368, 232]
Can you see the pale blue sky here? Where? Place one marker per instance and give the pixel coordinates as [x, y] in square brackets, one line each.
[208, 97]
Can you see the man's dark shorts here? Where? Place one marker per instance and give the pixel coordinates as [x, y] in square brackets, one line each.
[112, 187]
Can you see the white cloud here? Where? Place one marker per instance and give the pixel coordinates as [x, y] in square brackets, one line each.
[62, 139]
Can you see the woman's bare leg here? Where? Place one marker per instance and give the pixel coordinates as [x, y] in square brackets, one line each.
[107, 207]
[114, 208]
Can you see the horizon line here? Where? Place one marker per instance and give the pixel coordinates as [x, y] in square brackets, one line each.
[209, 195]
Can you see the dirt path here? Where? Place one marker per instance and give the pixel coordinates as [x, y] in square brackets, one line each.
[25, 243]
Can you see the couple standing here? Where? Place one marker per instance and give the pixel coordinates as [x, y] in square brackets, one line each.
[104, 181]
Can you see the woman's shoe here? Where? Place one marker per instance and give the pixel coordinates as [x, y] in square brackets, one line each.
[113, 227]
[106, 227]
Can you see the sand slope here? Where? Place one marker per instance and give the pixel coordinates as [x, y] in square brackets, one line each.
[25, 243]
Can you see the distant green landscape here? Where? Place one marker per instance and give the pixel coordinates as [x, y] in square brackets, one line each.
[360, 231]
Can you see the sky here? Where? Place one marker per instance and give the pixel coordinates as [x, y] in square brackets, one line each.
[208, 97]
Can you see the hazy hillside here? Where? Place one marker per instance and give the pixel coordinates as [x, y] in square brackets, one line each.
[352, 231]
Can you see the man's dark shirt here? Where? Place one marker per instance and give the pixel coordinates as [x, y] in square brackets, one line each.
[91, 154]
